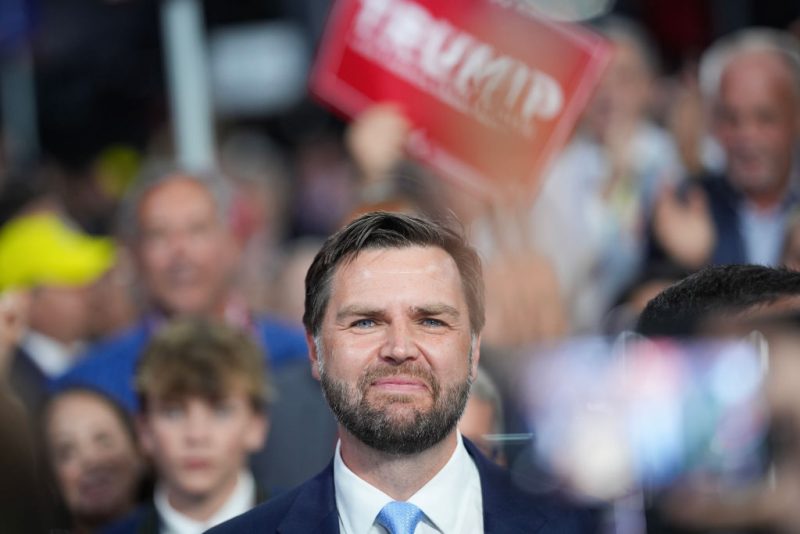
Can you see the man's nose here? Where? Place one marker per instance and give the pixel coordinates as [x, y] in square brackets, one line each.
[400, 344]
[197, 425]
[748, 130]
[178, 241]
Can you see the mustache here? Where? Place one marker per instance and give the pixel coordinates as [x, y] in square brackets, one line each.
[412, 370]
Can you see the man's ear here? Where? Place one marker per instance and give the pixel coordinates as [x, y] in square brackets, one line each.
[313, 356]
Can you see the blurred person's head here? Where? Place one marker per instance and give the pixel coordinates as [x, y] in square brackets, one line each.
[260, 175]
[483, 417]
[204, 394]
[92, 451]
[625, 90]
[182, 242]
[61, 313]
[653, 280]
[57, 264]
[717, 294]
[751, 80]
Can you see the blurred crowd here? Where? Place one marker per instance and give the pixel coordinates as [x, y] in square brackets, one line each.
[105, 269]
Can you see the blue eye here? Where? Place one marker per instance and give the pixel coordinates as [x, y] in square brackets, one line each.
[432, 322]
[364, 323]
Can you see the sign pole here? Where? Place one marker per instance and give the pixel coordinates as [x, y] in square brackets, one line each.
[185, 60]
[18, 103]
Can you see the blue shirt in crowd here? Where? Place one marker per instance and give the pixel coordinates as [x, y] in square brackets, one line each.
[110, 365]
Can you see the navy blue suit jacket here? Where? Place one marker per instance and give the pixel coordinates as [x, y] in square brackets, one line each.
[311, 508]
[724, 203]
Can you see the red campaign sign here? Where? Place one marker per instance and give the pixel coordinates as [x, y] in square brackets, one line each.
[492, 91]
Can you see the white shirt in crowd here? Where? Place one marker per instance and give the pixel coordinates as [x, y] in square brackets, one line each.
[51, 356]
[241, 500]
[451, 501]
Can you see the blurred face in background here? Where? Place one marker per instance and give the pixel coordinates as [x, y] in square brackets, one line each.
[755, 120]
[479, 421]
[200, 446]
[62, 313]
[95, 460]
[623, 95]
[185, 251]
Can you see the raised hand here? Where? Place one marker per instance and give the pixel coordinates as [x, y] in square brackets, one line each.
[376, 140]
[683, 226]
[13, 322]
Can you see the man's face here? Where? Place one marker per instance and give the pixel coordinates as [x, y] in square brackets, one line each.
[756, 122]
[185, 252]
[62, 313]
[199, 446]
[394, 350]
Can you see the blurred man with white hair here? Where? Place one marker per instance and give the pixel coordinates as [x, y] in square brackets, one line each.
[590, 218]
[751, 82]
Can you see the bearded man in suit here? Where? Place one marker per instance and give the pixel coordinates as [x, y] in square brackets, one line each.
[393, 316]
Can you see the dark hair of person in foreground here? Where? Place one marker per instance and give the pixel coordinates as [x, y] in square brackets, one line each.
[717, 292]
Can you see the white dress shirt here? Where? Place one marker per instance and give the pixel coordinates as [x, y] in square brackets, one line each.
[451, 501]
[241, 500]
[763, 232]
[51, 356]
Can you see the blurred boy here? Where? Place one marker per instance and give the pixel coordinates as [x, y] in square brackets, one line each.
[203, 398]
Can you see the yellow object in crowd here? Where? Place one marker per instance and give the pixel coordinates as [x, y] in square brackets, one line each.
[43, 249]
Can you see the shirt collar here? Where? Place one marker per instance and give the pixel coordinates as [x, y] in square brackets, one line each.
[359, 502]
[174, 522]
[432, 498]
[790, 197]
[50, 355]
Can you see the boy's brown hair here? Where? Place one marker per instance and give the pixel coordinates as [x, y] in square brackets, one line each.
[197, 357]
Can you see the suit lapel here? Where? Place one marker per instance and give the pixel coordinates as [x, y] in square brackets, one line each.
[505, 509]
[151, 522]
[314, 509]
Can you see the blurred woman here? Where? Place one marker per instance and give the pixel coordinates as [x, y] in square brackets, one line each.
[96, 462]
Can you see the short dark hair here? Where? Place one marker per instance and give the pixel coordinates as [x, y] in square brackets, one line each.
[681, 309]
[199, 357]
[382, 230]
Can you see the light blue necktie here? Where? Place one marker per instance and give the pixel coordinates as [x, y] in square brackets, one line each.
[399, 517]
